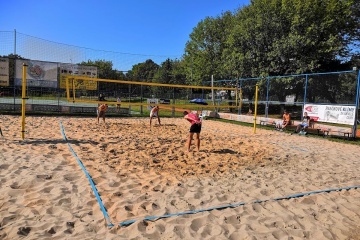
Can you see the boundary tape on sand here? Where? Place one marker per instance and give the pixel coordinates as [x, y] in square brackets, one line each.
[106, 216]
[153, 218]
[298, 195]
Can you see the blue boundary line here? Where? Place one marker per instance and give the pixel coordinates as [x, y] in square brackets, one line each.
[106, 216]
[153, 218]
[298, 195]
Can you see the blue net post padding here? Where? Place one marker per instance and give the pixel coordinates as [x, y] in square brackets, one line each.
[106, 216]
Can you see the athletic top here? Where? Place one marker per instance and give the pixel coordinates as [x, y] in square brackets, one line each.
[103, 108]
[306, 119]
[286, 117]
[193, 118]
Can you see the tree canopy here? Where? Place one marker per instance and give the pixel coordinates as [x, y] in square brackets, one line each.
[274, 38]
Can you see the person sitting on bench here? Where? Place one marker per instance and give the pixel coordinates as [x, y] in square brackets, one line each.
[281, 125]
[305, 123]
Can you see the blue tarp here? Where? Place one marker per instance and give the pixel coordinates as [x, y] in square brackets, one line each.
[199, 101]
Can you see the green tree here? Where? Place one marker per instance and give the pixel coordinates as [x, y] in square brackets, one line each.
[204, 50]
[170, 72]
[144, 72]
[277, 37]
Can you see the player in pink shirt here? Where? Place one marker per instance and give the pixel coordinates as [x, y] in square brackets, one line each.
[195, 128]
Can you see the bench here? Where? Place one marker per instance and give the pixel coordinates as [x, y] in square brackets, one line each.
[313, 129]
[323, 131]
[291, 126]
[346, 133]
[318, 131]
[267, 122]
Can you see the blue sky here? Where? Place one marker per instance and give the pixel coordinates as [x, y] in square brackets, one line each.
[149, 27]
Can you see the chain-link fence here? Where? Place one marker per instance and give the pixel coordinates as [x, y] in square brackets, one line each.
[291, 92]
[47, 61]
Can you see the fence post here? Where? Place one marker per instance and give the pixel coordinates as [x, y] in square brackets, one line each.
[256, 103]
[240, 97]
[305, 92]
[141, 99]
[354, 128]
[267, 97]
[212, 90]
[173, 102]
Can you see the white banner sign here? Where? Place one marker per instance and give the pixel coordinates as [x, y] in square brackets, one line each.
[38, 74]
[154, 101]
[4, 72]
[331, 113]
[78, 70]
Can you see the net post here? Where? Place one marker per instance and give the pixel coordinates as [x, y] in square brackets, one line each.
[67, 88]
[23, 101]
[73, 87]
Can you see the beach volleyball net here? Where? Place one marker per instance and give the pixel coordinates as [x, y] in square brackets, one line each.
[86, 90]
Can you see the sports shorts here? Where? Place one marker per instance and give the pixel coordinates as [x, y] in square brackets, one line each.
[101, 113]
[195, 128]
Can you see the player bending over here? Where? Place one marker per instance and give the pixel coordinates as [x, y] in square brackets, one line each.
[102, 111]
[154, 113]
[195, 128]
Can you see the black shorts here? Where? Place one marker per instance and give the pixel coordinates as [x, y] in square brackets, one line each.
[195, 128]
[102, 114]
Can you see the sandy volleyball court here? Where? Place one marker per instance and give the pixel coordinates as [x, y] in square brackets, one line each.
[45, 194]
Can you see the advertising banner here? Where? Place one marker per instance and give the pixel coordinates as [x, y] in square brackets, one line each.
[38, 74]
[331, 113]
[164, 101]
[4, 72]
[78, 70]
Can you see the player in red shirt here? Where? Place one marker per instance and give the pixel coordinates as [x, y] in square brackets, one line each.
[195, 128]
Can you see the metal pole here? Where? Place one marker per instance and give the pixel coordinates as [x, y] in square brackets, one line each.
[73, 86]
[241, 97]
[141, 99]
[212, 90]
[236, 95]
[130, 99]
[23, 101]
[256, 101]
[267, 97]
[305, 92]
[15, 42]
[354, 128]
[14, 66]
[173, 102]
